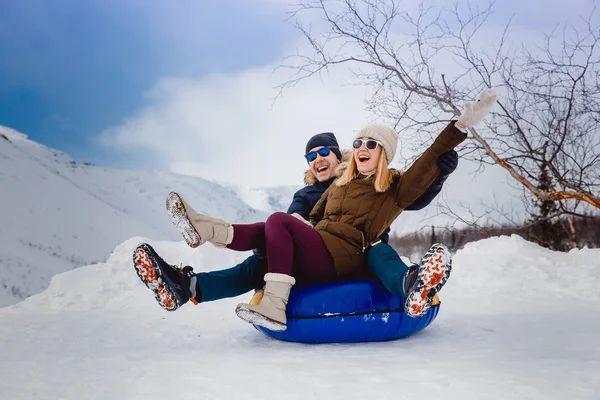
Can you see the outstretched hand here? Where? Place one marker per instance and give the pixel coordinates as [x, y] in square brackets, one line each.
[475, 111]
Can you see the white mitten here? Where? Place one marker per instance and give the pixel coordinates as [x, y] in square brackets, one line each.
[302, 219]
[475, 111]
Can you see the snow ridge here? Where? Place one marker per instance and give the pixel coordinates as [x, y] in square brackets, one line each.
[57, 214]
[9, 133]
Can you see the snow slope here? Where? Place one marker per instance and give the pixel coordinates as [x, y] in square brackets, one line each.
[56, 214]
[517, 322]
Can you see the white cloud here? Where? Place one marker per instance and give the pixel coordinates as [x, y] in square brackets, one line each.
[227, 127]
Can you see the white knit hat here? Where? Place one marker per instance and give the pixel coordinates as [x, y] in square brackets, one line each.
[386, 135]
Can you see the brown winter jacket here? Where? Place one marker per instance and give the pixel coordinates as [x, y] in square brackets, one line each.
[352, 216]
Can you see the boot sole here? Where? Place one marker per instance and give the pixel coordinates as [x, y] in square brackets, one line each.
[255, 318]
[432, 276]
[151, 275]
[179, 218]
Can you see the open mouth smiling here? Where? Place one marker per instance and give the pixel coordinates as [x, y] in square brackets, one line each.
[322, 168]
[363, 158]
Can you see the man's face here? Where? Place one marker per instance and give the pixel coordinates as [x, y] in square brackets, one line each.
[323, 168]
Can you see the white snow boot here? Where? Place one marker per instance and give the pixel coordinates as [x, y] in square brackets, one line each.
[270, 312]
[195, 228]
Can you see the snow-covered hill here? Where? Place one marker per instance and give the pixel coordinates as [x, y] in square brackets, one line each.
[517, 322]
[56, 214]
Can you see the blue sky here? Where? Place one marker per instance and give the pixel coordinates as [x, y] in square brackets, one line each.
[73, 68]
[187, 85]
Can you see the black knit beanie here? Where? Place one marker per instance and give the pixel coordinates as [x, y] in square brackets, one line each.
[324, 139]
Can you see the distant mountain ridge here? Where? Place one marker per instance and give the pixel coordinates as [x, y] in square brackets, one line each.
[57, 214]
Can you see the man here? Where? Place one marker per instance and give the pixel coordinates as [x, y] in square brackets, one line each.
[176, 286]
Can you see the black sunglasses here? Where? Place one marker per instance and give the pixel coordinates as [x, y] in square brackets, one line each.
[371, 144]
[312, 156]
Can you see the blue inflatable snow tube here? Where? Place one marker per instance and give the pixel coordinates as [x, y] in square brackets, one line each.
[346, 312]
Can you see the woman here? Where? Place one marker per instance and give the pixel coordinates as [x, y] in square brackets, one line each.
[352, 214]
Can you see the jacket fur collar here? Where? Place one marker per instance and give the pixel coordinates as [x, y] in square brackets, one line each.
[310, 179]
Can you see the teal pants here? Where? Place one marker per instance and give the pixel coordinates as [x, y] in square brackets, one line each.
[382, 259]
[385, 263]
[232, 282]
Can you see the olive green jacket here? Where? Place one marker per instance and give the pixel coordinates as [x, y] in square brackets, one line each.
[352, 216]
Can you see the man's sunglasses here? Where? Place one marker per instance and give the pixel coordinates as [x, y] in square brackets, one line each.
[312, 156]
[371, 144]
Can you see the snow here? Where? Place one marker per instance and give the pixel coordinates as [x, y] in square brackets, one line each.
[517, 322]
[56, 214]
[11, 134]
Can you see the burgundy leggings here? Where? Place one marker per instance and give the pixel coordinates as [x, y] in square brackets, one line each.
[293, 248]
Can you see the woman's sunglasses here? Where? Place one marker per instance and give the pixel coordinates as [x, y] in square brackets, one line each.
[312, 156]
[371, 144]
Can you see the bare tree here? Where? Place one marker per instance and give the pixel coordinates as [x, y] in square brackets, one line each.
[423, 64]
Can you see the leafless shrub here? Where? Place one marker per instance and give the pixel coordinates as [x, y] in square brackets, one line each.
[422, 65]
[416, 244]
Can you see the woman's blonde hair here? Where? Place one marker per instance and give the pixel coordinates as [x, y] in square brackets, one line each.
[383, 176]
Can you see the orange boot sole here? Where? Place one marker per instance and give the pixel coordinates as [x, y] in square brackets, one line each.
[432, 275]
[151, 276]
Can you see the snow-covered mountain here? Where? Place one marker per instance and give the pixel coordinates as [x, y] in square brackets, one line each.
[56, 214]
[517, 321]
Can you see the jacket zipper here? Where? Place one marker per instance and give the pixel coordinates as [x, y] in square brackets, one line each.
[362, 235]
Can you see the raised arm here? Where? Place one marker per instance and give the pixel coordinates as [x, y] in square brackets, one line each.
[447, 164]
[415, 181]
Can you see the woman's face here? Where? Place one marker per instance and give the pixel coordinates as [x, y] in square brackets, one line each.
[366, 159]
[323, 168]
